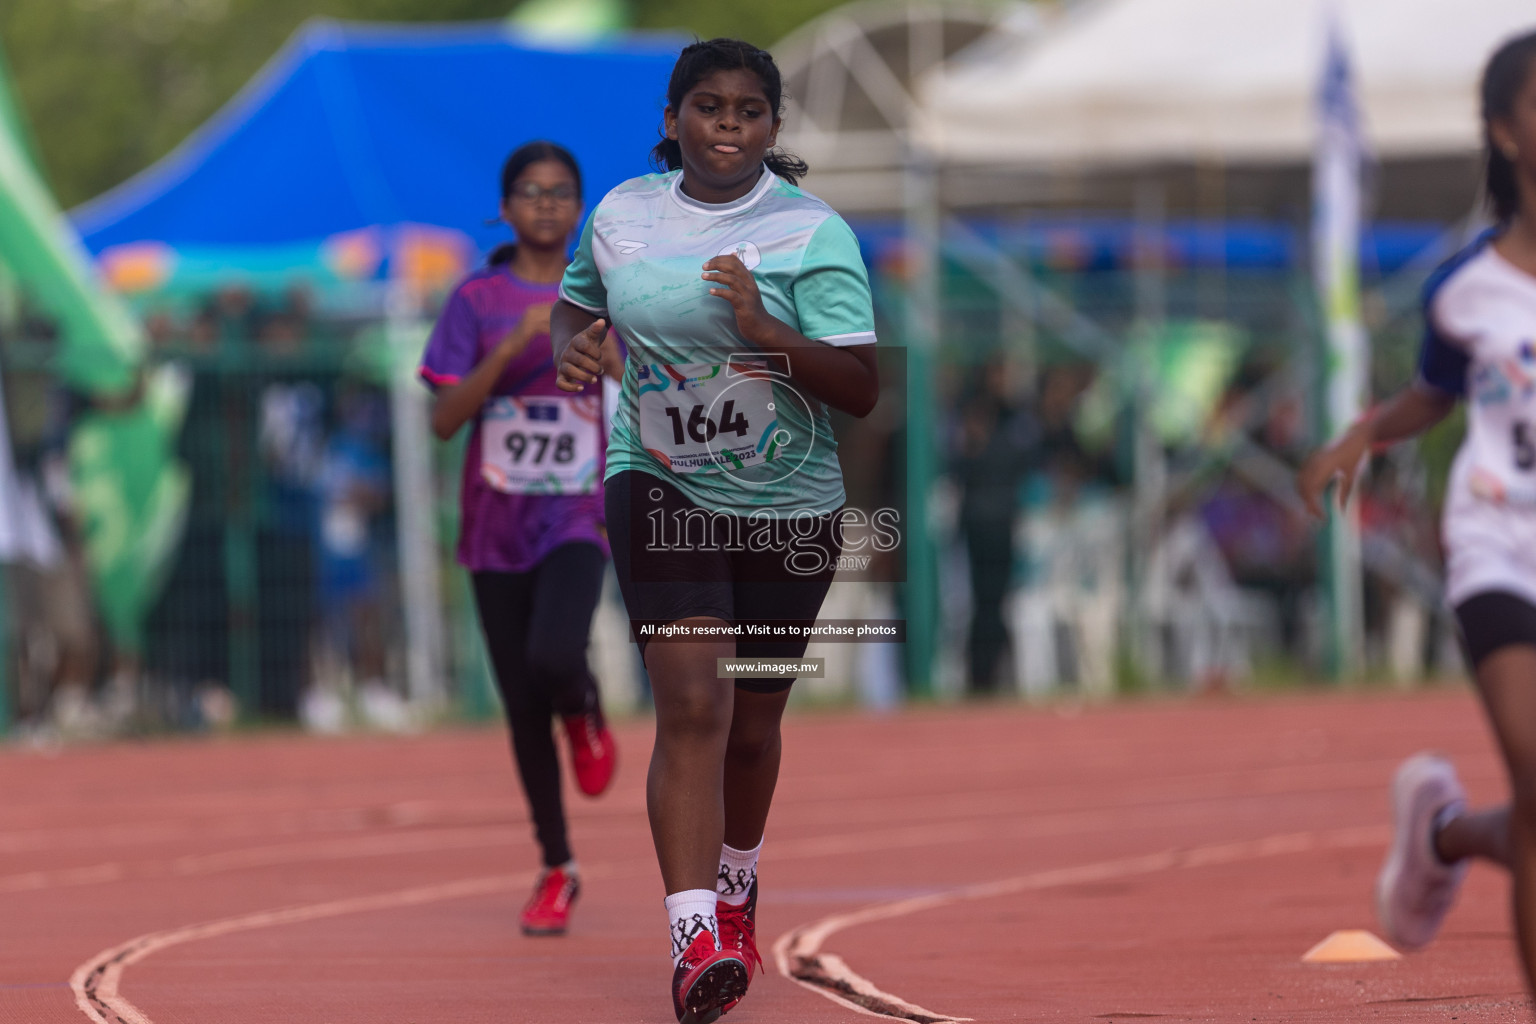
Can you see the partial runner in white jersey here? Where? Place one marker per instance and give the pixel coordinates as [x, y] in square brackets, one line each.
[1479, 346]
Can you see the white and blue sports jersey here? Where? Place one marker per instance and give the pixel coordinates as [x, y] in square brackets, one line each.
[701, 407]
[1480, 345]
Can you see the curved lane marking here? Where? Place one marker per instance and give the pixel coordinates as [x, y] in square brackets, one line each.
[800, 957]
[798, 953]
[310, 851]
[96, 982]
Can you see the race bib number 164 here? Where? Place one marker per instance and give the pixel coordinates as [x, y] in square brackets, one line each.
[704, 417]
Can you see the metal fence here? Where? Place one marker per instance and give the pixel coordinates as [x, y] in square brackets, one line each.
[1108, 522]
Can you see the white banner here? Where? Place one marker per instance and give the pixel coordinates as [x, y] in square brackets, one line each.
[1336, 221]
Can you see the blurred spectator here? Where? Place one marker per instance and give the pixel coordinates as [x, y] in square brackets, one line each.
[233, 309]
[245, 576]
[160, 327]
[997, 442]
[189, 627]
[203, 334]
[282, 333]
[290, 441]
[48, 589]
[1267, 543]
[299, 304]
[353, 491]
[129, 497]
[1399, 547]
[1267, 546]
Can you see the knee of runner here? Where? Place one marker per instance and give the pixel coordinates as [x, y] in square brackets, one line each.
[694, 715]
[556, 661]
[751, 743]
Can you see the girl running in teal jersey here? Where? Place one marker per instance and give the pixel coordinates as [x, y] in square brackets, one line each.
[746, 308]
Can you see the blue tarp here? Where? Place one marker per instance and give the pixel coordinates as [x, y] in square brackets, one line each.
[359, 126]
[352, 126]
[1088, 242]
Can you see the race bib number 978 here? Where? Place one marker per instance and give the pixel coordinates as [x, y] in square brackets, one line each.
[541, 445]
[709, 416]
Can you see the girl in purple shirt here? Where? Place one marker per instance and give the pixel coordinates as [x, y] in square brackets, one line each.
[531, 500]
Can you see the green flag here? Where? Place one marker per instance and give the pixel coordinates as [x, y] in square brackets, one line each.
[11, 120]
[131, 499]
[101, 342]
[130, 494]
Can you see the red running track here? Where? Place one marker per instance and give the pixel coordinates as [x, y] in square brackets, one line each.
[1165, 860]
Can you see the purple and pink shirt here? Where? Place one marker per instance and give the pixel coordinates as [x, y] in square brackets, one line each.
[501, 532]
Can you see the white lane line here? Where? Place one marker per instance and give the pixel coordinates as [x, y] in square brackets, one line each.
[311, 851]
[800, 958]
[381, 845]
[95, 982]
[93, 875]
[962, 828]
[992, 827]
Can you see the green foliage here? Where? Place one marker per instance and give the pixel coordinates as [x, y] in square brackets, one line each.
[110, 86]
[762, 23]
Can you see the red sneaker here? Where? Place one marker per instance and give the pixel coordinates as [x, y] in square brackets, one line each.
[593, 753]
[549, 908]
[706, 981]
[738, 932]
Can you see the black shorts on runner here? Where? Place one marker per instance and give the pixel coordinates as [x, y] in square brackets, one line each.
[675, 560]
[1493, 620]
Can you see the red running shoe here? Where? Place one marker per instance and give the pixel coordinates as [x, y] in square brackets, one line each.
[707, 981]
[593, 753]
[549, 908]
[738, 932]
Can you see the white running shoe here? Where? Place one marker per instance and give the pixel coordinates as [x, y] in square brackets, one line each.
[321, 710]
[383, 708]
[73, 715]
[1416, 888]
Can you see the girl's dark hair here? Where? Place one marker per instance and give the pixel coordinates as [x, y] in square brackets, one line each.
[1506, 74]
[521, 159]
[700, 60]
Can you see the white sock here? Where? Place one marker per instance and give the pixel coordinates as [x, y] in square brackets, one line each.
[738, 870]
[688, 913]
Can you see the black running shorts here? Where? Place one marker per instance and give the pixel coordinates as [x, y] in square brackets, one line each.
[1492, 620]
[675, 561]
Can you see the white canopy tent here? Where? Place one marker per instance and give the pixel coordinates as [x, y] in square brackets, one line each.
[847, 86]
[1205, 107]
[1117, 83]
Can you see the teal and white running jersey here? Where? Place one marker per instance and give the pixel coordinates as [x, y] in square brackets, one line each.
[701, 407]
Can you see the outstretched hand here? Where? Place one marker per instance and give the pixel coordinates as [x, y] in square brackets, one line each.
[1340, 460]
[582, 362]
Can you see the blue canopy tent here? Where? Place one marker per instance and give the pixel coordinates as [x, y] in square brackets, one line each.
[363, 153]
[355, 127]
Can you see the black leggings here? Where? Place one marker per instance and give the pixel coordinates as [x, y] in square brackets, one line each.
[536, 625]
[707, 569]
[1493, 620]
